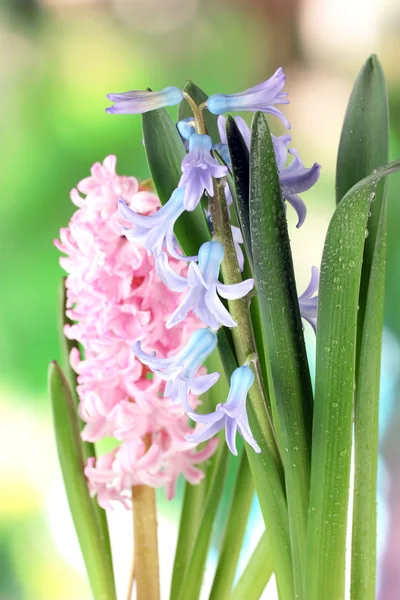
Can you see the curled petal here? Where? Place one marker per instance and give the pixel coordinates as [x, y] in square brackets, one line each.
[234, 291]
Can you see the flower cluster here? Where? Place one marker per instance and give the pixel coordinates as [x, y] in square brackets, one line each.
[114, 298]
[200, 286]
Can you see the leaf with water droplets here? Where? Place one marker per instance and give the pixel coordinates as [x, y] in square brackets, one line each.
[335, 378]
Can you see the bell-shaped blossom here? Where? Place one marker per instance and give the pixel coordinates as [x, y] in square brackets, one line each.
[308, 301]
[262, 97]
[180, 370]
[231, 415]
[198, 170]
[242, 126]
[155, 232]
[142, 101]
[204, 287]
[186, 128]
[296, 178]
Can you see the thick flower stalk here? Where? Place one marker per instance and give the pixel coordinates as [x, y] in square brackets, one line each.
[115, 297]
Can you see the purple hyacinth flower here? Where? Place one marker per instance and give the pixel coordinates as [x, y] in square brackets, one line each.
[179, 371]
[186, 128]
[232, 414]
[137, 101]
[308, 301]
[204, 287]
[237, 240]
[242, 126]
[296, 178]
[198, 170]
[156, 232]
[262, 97]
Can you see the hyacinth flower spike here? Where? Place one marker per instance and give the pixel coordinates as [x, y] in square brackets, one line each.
[180, 371]
[262, 97]
[198, 170]
[308, 301]
[156, 232]
[296, 178]
[204, 287]
[141, 101]
[232, 414]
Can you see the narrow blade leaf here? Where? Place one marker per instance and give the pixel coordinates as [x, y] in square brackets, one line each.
[334, 390]
[257, 573]
[364, 146]
[71, 459]
[235, 529]
[165, 152]
[283, 332]
[363, 561]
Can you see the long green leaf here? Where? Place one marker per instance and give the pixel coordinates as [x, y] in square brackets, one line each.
[282, 327]
[364, 146]
[268, 480]
[199, 97]
[363, 560]
[257, 573]
[69, 447]
[193, 579]
[334, 390]
[165, 152]
[235, 529]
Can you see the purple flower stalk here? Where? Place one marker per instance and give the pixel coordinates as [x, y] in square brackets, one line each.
[156, 232]
[198, 170]
[180, 371]
[204, 287]
[262, 97]
[309, 302]
[137, 101]
[232, 414]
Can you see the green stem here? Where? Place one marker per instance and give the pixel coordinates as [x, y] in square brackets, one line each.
[234, 532]
[273, 504]
[257, 573]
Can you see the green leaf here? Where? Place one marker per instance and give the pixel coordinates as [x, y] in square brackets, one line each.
[191, 585]
[257, 573]
[364, 146]
[363, 561]
[334, 390]
[210, 120]
[235, 529]
[165, 152]
[267, 476]
[69, 447]
[283, 331]
[239, 154]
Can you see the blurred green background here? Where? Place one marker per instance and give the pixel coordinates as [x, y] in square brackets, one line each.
[59, 59]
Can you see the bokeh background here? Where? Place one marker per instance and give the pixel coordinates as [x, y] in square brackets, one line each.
[58, 60]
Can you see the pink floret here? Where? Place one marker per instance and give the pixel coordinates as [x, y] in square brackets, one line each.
[115, 297]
